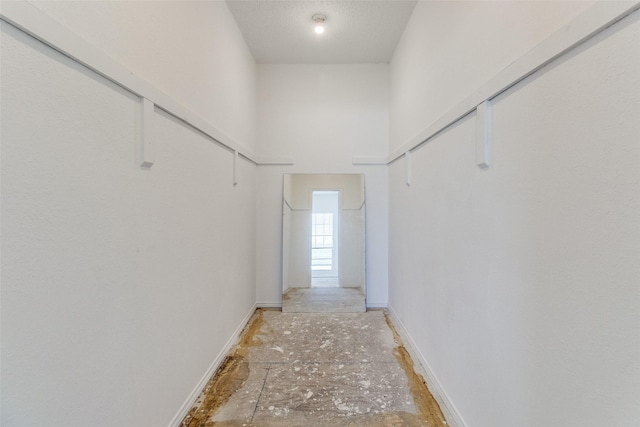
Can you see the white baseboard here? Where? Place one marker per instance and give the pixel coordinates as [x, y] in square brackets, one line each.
[450, 412]
[186, 406]
[278, 304]
[377, 304]
[263, 304]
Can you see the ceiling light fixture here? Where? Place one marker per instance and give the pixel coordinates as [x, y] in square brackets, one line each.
[319, 20]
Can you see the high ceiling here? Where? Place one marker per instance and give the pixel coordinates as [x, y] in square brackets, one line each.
[357, 31]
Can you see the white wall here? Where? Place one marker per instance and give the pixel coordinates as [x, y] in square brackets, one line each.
[299, 273]
[352, 247]
[192, 50]
[120, 286]
[449, 49]
[302, 186]
[322, 115]
[519, 284]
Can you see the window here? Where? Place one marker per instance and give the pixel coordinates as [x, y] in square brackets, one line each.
[322, 241]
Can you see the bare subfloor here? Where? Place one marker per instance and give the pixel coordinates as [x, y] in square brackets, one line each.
[323, 300]
[317, 369]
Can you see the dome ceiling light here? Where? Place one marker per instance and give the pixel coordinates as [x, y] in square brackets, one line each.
[319, 20]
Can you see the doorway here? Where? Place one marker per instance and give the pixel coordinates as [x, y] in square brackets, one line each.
[325, 241]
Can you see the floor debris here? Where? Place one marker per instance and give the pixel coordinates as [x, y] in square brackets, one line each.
[317, 369]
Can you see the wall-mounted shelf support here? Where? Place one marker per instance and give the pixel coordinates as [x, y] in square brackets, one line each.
[598, 17]
[407, 157]
[145, 147]
[483, 135]
[235, 167]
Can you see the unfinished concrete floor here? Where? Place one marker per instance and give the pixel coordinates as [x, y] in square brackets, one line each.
[316, 369]
[323, 300]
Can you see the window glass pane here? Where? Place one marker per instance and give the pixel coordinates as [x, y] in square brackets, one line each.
[322, 241]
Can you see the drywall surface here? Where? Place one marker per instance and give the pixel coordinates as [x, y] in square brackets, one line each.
[520, 284]
[352, 248]
[449, 49]
[192, 50]
[120, 285]
[351, 188]
[300, 255]
[286, 245]
[322, 116]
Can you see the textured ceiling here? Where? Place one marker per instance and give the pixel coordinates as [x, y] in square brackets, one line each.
[357, 31]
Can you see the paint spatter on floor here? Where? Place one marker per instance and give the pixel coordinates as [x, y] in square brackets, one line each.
[424, 400]
[317, 369]
[323, 300]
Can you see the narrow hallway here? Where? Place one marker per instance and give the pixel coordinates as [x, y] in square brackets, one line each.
[317, 369]
[149, 161]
